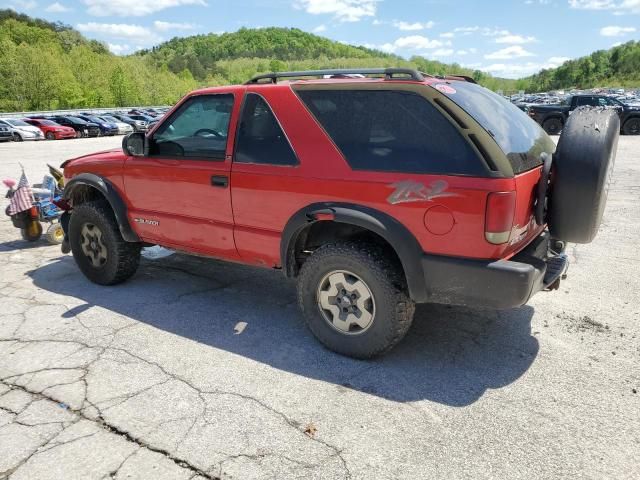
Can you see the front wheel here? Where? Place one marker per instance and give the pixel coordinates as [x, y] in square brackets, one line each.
[50, 136]
[354, 299]
[98, 248]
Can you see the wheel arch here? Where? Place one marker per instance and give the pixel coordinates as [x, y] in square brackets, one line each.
[86, 185]
[397, 236]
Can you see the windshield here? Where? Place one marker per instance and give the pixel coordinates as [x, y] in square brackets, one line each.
[520, 138]
[48, 123]
[18, 123]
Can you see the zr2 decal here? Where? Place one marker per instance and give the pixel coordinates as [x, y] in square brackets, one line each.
[153, 223]
[408, 191]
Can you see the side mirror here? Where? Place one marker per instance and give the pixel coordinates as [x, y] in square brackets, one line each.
[134, 144]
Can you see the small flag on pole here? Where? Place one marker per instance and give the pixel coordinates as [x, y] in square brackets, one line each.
[22, 199]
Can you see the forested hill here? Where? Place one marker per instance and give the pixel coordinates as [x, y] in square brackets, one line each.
[50, 66]
[235, 57]
[617, 67]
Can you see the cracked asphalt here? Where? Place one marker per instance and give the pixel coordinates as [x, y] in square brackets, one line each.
[196, 369]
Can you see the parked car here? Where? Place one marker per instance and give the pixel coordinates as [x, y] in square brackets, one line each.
[553, 117]
[143, 118]
[123, 128]
[51, 129]
[82, 127]
[374, 193]
[6, 135]
[21, 130]
[137, 125]
[107, 129]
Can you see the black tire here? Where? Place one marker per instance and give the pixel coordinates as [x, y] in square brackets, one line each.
[632, 126]
[79, 134]
[581, 174]
[17, 137]
[122, 258]
[32, 232]
[393, 311]
[50, 136]
[553, 126]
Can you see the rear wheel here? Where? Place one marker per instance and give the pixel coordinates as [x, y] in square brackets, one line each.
[632, 126]
[581, 174]
[17, 137]
[78, 134]
[354, 299]
[552, 126]
[100, 251]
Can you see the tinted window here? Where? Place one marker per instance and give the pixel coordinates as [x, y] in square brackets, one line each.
[198, 129]
[520, 138]
[392, 131]
[260, 138]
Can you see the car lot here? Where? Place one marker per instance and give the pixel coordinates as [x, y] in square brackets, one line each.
[197, 368]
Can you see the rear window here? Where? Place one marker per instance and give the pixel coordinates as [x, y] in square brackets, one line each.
[392, 131]
[520, 138]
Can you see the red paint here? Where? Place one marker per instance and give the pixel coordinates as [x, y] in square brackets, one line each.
[59, 131]
[244, 222]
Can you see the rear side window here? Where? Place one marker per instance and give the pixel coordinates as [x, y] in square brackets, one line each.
[260, 137]
[520, 138]
[392, 131]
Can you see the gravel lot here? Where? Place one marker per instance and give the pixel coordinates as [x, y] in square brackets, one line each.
[158, 379]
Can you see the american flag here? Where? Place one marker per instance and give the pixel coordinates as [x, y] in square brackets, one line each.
[22, 199]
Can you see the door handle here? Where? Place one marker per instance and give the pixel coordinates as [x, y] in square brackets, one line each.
[220, 181]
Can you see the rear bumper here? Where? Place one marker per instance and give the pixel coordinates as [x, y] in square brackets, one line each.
[493, 284]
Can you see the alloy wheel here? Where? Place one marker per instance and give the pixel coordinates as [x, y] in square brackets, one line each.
[346, 302]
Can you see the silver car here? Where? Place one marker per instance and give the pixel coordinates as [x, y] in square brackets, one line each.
[22, 131]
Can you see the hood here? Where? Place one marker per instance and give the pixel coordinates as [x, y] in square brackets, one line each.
[95, 155]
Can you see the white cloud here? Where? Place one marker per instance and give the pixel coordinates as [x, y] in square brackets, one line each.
[23, 4]
[320, 29]
[405, 26]
[622, 8]
[515, 51]
[614, 31]
[342, 10]
[134, 33]
[57, 7]
[554, 62]
[519, 70]
[447, 35]
[515, 39]
[118, 49]
[166, 26]
[135, 8]
[443, 52]
[418, 42]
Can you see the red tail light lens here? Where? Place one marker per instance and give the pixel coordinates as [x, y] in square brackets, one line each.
[501, 207]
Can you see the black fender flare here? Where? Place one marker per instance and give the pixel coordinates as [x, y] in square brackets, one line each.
[106, 188]
[397, 235]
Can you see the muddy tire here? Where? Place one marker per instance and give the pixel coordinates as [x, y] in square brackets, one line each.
[354, 299]
[98, 248]
[553, 126]
[581, 174]
[632, 126]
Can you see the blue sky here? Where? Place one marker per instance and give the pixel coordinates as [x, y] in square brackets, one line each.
[506, 38]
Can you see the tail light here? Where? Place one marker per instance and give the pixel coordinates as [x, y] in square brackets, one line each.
[501, 207]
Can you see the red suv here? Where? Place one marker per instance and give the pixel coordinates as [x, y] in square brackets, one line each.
[377, 189]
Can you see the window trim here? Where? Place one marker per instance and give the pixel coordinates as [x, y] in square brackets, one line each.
[451, 120]
[284, 132]
[219, 157]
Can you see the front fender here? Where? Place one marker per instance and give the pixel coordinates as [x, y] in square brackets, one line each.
[106, 188]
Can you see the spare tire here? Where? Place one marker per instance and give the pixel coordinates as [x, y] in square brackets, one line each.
[582, 169]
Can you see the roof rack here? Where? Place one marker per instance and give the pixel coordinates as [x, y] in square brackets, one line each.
[389, 74]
